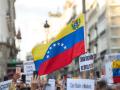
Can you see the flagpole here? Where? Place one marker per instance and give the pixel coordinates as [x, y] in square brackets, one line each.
[85, 30]
[84, 76]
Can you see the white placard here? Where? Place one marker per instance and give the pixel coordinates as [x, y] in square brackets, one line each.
[52, 83]
[109, 73]
[80, 84]
[111, 57]
[86, 62]
[5, 85]
[29, 67]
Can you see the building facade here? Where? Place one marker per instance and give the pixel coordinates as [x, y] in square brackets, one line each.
[63, 18]
[7, 35]
[103, 30]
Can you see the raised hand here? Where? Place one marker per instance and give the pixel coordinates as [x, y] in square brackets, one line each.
[15, 77]
[34, 83]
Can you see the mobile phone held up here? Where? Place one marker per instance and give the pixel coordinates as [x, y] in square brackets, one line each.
[35, 73]
[18, 70]
[23, 78]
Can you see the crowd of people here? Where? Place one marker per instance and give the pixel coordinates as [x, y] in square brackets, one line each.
[42, 84]
[102, 85]
[37, 83]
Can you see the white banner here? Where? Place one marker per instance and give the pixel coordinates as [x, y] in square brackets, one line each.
[80, 84]
[52, 83]
[86, 62]
[108, 71]
[29, 67]
[5, 85]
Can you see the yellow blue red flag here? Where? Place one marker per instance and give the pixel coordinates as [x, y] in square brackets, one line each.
[68, 44]
[116, 71]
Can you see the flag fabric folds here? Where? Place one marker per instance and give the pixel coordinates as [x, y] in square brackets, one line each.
[68, 44]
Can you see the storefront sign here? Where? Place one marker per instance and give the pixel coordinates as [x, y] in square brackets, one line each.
[29, 67]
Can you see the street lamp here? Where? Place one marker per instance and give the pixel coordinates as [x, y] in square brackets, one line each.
[18, 36]
[46, 26]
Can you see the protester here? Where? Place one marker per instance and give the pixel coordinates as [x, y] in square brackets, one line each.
[14, 81]
[64, 82]
[101, 85]
[109, 88]
[47, 86]
[38, 83]
[118, 86]
[34, 83]
[59, 85]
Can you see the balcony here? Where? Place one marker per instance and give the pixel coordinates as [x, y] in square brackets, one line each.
[115, 47]
[115, 43]
[115, 21]
[115, 26]
[115, 10]
[115, 15]
[114, 4]
[115, 32]
[115, 37]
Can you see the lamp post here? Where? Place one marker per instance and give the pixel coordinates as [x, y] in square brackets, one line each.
[46, 26]
[18, 36]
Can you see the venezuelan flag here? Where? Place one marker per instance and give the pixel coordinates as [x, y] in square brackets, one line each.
[68, 44]
[116, 71]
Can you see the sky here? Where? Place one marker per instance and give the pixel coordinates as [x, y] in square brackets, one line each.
[30, 18]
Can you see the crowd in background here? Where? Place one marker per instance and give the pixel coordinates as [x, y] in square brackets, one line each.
[102, 85]
[42, 84]
[37, 83]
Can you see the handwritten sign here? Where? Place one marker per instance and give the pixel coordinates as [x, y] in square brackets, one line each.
[52, 83]
[5, 85]
[86, 62]
[80, 84]
[29, 67]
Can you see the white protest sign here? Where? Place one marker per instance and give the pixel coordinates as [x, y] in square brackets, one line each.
[29, 67]
[5, 85]
[111, 57]
[52, 83]
[108, 71]
[80, 84]
[86, 62]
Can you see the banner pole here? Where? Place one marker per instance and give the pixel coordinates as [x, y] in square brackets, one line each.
[85, 28]
[84, 73]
